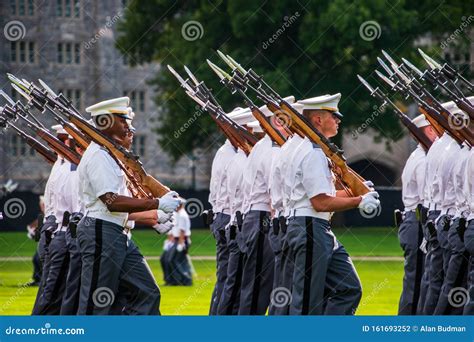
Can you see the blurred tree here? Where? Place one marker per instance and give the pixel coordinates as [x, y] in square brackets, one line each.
[303, 48]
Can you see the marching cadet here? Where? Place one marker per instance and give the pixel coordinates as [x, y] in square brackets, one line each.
[219, 200]
[257, 274]
[410, 233]
[54, 274]
[109, 261]
[324, 279]
[277, 234]
[442, 199]
[230, 299]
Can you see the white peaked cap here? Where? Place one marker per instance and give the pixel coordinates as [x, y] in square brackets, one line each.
[420, 121]
[59, 129]
[325, 102]
[118, 106]
[255, 125]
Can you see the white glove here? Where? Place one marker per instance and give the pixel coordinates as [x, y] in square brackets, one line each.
[370, 202]
[163, 228]
[369, 184]
[169, 202]
[164, 217]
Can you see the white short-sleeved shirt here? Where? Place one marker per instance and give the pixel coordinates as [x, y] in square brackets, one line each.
[470, 183]
[311, 176]
[235, 182]
[51, 188]
[460, 182]
[275, 181]
[256, 176]
[98, 175]
[287, 156]
[218, 194]
[432, 164]
[413, 179]
[182, 223]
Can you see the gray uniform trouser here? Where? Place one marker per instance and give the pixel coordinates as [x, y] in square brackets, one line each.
[179, 268]
[410, 236]
[469, 244]
[276, 246]
[431, 245]
[43, 253]
[230, 298]
[438, 264]
[285, 282]
[70, 302]
[50, 300]
[257, 275]
[111, 262]
[222, 258]
[455, 274]
[325, 280]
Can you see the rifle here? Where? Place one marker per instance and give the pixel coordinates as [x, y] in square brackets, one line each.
[415, 132]
[436, 78]
[78, 136]
[429, 105]
[129, 162]
[352, 182]
[236, 87]
[238, 136]
[53, 142]
[49, 155]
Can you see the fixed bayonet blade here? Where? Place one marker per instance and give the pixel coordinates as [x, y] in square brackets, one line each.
[191, 76]
[183, 83]
[219, 72]
[48, 89]
[17, 81]
[8, 98]
[385, 66]
[21, 92]
[412, 67]
[389, 58]
[226, 60]
[366, 84]
[237, 65]
[401, 75]
[385, 79]
[431, 62]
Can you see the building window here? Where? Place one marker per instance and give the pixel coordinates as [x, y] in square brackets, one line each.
[22, 8]
[137, 100]
[69, 53]
[22, 52]
[19, 147]
[138, 145]
[68, 8]
[73, 95]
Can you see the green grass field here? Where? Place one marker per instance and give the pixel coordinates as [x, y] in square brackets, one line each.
[381, 279]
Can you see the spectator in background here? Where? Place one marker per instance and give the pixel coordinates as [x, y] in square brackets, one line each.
[175, 261]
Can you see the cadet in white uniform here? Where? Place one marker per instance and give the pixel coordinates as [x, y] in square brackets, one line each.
[59, 201]
[469, 234]
[442, 198]
[324, 280]
[410, 233]
[230, 299]
[219, 199]
[109, 262]
[257, 276]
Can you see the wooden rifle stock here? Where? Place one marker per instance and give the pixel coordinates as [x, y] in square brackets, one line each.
[49, 155]
[267, 126]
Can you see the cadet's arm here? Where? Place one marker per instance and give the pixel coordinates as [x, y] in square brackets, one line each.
[125, 204]
[327, 203]
[146, 218]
